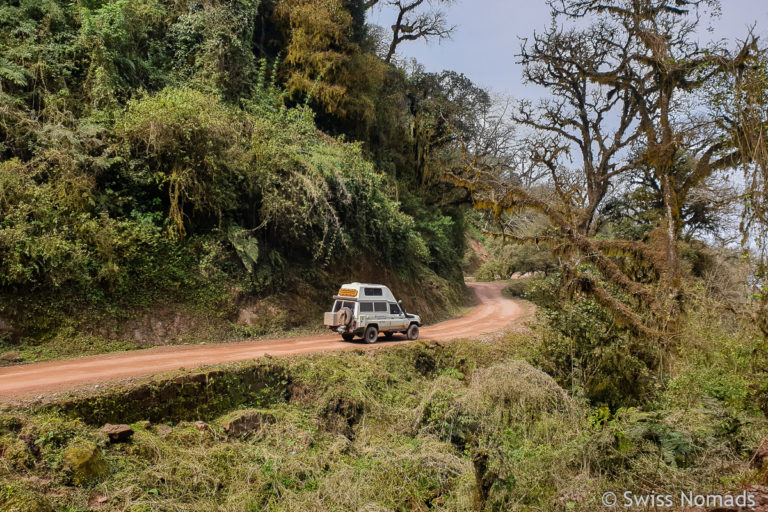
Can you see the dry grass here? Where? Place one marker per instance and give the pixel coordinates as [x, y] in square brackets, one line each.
[394, 430]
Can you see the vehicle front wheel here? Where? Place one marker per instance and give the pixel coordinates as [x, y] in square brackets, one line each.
[348, 336]
[371, 334]
[413, 332]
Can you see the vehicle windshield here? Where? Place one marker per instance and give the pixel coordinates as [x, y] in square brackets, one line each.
[343, 304]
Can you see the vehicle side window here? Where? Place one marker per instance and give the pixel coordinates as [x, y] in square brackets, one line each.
[380, 307]
[374, 292]
[366, 307]
[394, 309]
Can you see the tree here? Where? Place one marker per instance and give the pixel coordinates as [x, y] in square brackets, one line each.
[446, 107]
[664, 69]
[413, 22]
[582, 117]
[639, 206]
[638, 69]
[742, 104]
[323, 63]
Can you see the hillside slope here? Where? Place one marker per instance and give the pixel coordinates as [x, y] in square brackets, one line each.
[163, 178]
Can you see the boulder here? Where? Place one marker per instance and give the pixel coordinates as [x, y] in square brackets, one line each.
[11, 357]
[242, 423]
[201, 426]
[117, 433]
[760, 455]
[15, 453]
[83, 463]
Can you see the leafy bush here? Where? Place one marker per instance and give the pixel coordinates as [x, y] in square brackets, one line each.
[187, 143]
[507, 259]
[148, 149]
[51, 236]
[583, 348]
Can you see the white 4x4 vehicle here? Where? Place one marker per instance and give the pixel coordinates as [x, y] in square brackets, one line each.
[366, 309]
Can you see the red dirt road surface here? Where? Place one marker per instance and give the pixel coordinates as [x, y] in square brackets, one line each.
[493, 312]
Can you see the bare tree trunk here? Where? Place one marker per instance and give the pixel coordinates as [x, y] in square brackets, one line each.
[672, 279]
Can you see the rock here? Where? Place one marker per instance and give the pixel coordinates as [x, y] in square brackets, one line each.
[760, 455]
[242, 423]
[117, 433]
[97, 501]
[162, 429]
[11, 357]
[83, 463]
[16, 454]
[201, 426]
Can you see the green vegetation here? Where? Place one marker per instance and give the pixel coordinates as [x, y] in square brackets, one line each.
[445, 427]
[175, 171]
[161, 155]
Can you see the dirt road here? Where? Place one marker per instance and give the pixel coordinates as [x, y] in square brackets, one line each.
[493, 312]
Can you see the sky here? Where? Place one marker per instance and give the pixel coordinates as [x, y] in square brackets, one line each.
[489, 32]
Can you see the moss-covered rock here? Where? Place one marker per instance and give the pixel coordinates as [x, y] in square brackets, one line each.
[191, 395]
[243, 423]
[513, 391]
[16, 453]
[84, 463]
[10, 423]
[16, 497]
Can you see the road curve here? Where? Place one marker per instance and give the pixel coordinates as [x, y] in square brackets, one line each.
[493, 312]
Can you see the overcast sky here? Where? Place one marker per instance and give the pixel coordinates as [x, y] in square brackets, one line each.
[488, 32]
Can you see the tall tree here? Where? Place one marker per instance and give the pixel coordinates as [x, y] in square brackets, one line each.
[638, 69]
[742, 104]
[581, 120]
[415, 19]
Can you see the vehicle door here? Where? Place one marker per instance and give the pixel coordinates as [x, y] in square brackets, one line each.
[397, 318]
[381, 313]
[366, 314]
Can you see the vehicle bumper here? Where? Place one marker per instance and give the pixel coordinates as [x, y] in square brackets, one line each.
[346, 330]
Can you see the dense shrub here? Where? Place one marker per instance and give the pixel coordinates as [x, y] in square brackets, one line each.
[52, 236]
[588, 353]
[159, 148]
[506, 259]
[197, 193]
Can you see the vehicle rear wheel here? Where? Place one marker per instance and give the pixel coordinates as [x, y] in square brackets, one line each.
[413, 332]
[348, 336]
[371, 334]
